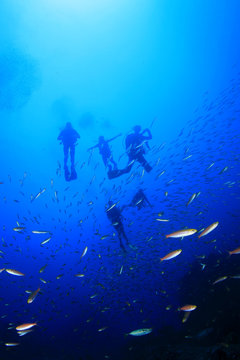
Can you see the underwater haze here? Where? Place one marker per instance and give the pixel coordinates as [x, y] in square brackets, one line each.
[119, 180]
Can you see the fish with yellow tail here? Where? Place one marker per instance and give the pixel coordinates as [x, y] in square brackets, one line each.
[187, 308]
[181, 233]
[19, 228]
[25, 326]
[186, 316]
[235, 251]
[14, 272]
[79, 275]
[42, 268]
[32, 296]
[171, 255]
[209, 229]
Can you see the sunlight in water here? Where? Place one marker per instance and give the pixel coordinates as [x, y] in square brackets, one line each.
[85, 6]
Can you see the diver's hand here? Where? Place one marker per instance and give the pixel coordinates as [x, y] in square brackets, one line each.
[146, 130]
[148, 133]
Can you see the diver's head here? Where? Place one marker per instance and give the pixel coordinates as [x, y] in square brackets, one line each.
[101, 139]
[137, 129]
[68, 125]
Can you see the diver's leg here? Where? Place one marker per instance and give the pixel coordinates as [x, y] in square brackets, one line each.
[66, 171]
[113, 162]
[122, 232]
[126, 238]
[127, 241]
[144, 163]
[65, 150]
[119, 229]
[109, 165]
[73, 171]
[72, 154]
[130, 164]
[105, 161]
[118, 172]
[121, 244]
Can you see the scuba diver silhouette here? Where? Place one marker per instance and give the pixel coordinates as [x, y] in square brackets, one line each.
[139, 200]
[105, 151]
[135, 147]
[68, 137]
[135, 150]
[115, 216]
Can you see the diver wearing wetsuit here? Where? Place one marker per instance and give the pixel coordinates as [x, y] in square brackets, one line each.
[135, 147]
[68, 137]
[139, 200]
[105, 151]
[115, 216]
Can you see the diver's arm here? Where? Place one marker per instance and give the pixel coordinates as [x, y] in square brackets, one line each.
[149, 135]
[60, 136]
[76, 135]
[115, 137]
[93, 147]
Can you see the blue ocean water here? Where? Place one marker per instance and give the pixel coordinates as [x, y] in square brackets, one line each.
[106, 66]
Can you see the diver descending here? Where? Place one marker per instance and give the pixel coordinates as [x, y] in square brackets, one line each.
[115, 216]
[135, 147]
[105, 151]
[139, 200]
[68, 137]
[135, 150]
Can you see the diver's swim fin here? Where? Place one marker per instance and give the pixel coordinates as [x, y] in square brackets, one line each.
[148, 168]
[73, 174]
[116, 173]
[67, 174]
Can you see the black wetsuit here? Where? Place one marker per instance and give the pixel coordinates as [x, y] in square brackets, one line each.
[139, 200]
[135, 150]
[69, 136]
[115, 216]
[107, 157]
